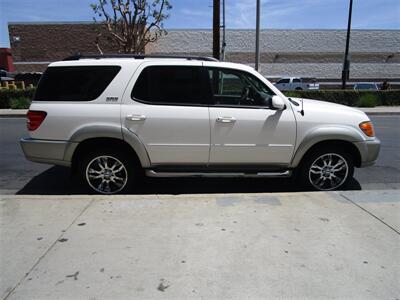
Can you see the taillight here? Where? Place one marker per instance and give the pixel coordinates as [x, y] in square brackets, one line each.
[367, 128]
[35, 118]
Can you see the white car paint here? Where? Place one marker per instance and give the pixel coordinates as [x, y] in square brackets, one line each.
[193, 134]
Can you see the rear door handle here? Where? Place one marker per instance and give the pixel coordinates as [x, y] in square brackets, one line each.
[136, 117]
[226, 120]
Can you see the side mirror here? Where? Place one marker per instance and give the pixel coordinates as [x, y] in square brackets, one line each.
[278, 103]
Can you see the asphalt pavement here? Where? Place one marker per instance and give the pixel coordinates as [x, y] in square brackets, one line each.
[23, 177]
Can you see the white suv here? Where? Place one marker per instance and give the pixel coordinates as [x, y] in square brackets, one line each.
[111, 117]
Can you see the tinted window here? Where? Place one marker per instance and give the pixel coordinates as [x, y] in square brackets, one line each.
[232, 87]
[226, 83]
[172, 84]
[366, 86]
[74, 83]
[296, 80]
[284, 81]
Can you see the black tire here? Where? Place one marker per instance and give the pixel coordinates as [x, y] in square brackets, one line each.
[118, 176]
[298, 89]
[335, 175]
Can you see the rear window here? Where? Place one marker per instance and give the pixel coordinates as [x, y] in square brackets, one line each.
[84, 83]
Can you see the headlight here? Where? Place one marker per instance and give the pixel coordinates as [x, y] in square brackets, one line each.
[367, 128]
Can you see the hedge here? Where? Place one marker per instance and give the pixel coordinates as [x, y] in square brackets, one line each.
[350, 97]
[7, 97]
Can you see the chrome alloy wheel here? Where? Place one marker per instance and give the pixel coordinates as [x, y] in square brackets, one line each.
[328, 172]
[106, 175]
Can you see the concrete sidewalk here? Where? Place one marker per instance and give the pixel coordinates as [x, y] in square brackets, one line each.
[342, 245]
[379, 110]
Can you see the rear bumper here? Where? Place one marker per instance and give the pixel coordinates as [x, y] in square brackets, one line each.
[369, 151]
[48, 152]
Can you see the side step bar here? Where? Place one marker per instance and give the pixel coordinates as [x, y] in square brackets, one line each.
[287, 173]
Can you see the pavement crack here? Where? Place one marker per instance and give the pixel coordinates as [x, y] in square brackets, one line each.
[48, 250]
[371, 214]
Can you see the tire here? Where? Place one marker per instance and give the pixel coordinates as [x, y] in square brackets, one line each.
[326, 169]
[107, 171]
[298, 89]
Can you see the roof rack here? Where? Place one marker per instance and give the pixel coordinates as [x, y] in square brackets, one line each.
[137, 56]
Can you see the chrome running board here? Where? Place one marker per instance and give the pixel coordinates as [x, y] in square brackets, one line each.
[152, 173]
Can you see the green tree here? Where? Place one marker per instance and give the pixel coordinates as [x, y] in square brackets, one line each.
[132, 24]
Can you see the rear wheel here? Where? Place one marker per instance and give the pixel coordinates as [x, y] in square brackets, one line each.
[327, 169]
[107, 172]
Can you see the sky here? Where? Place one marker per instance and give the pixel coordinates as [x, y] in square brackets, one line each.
[240, 14]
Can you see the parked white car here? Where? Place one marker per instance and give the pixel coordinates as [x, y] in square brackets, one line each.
[296, 84]
[112, 118]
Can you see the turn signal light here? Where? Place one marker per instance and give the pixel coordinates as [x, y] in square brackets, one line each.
[367, 128]
[35, 119]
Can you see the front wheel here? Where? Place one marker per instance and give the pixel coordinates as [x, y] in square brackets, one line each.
[327, 169]
[107, 172]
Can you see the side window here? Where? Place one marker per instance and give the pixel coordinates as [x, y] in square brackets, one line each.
[284, 81]
[172, 85]
[83, 83]
[296, 80]
[232, 87]
[225, 83]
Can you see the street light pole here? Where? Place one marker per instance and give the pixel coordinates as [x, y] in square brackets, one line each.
[216, 28]
[346, 64]
[223, 32]
[258, 36]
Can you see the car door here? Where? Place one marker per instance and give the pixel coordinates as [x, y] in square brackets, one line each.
[244, 129]
[166, 110]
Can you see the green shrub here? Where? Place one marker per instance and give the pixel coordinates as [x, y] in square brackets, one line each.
[19, 103]
[349, 97]
[6, 95]
[367, 100]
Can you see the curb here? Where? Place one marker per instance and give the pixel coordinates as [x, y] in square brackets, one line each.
[160, 197]
[13, 113]
[383, 113]
[13, 116]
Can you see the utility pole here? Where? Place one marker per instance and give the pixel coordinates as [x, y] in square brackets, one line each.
[223, 32]
[257, 36]
[216, 29]
[346, 64]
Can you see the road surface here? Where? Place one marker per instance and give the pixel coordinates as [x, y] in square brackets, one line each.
[23, 177]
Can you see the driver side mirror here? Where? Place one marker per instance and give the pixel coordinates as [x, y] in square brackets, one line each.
[278, 103]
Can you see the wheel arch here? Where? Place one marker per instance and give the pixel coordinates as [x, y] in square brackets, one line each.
[345, 145]
[339, 137]
[101, 135]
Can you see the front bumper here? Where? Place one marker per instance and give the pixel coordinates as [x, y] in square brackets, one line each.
[369, 151]
[48, 152]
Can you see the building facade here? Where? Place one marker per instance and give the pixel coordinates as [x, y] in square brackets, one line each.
[375, 54]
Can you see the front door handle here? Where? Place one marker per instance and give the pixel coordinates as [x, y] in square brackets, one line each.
[136, 117]
[226, 120]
